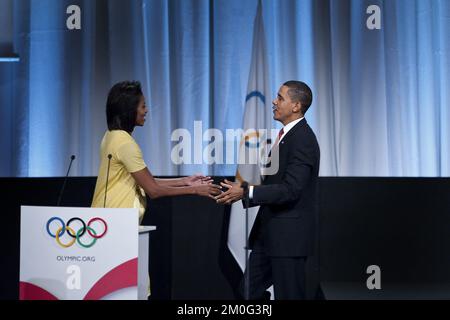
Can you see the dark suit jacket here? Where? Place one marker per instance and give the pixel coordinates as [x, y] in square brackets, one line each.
[285, 225]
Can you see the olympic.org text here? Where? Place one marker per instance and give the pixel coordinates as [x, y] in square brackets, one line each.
[75, 258]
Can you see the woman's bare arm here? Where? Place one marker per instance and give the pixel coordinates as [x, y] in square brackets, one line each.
[156, 190]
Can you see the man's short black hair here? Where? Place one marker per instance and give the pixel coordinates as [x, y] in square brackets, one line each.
[121, 107]
[300, 92]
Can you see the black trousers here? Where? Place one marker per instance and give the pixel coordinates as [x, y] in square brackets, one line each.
[286, 274]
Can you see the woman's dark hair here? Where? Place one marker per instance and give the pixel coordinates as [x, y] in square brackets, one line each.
[121, 107]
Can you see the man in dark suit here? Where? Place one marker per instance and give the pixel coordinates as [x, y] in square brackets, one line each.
[283, 234]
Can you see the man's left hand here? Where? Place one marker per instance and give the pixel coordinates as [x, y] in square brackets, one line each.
[233, 194]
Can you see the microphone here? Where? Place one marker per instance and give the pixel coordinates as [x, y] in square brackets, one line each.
[107, 178]
[65, 181]
[244, 185]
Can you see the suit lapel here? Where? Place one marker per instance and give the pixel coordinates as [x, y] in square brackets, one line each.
[285, 141]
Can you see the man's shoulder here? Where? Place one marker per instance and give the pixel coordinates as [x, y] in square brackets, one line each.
[303, 128]
[303, 137]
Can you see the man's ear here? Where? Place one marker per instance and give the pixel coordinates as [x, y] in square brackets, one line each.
[297, 107]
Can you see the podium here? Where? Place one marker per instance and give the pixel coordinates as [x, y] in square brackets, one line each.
[143, 276]
[83, 254]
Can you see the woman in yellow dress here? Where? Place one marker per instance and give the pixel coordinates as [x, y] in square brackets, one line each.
[129, 177]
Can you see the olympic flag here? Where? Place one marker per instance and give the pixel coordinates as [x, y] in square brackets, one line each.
[78, 253]
[257, 117]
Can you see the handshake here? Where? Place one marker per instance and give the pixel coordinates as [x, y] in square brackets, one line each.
[227, 193]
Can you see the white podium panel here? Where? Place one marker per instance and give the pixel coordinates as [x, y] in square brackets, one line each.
[79, 253]
[143, 276]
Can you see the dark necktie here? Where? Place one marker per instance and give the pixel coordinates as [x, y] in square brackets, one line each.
[280, 134]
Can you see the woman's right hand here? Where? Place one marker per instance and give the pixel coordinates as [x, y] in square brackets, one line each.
[208, 190]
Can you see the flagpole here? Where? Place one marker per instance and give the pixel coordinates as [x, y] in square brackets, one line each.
[246, 199]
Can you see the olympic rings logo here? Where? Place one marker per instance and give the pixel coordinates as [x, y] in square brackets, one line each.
[250, 138]
[76, 235]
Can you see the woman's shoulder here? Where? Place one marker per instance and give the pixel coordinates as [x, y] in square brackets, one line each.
[119, 136]
[120, 141]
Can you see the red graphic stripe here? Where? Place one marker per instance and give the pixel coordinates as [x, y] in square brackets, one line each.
[29, 291]
[122, 276]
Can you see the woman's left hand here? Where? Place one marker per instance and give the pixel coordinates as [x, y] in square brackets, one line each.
[197, 180]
